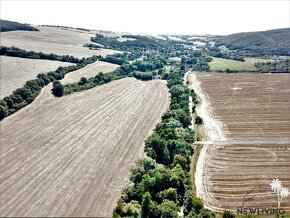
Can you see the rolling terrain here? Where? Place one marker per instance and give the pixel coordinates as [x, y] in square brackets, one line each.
[55, 40]
[71, 156]
[253, 113]
[88, 71]
[275, 42]
[15, 71]
[7, 25]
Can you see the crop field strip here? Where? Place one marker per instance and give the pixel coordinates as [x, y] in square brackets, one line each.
[255, 110]
[53, 40]
[88, 71]
[71, 156]
[15, 71]
[223, 64]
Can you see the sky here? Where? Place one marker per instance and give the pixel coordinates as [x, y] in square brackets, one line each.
[154, 17]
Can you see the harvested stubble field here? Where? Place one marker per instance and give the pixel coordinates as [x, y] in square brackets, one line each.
[70, 156]
[14, 72]
[88, 71]
[254, 110]
[53, 40]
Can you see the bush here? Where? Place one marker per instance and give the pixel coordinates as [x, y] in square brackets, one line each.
[146, 204]
[57, 89]
[168, 209]
[143, 75]
[169, 194]
[197, 204]
[228, 214]
[198, 120]
[3, 112]
[181, 160]
[83, 80]
[23, 92]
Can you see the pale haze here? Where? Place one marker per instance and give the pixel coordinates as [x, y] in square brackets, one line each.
[153, 17]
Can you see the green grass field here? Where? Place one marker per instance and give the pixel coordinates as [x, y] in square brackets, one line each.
[221, 64]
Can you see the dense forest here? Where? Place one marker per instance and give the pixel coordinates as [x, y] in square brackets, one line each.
[6, 25]
[271, 42]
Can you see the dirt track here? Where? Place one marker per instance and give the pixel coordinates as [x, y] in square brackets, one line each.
[70, 156]
[14, 72]
[255, 112]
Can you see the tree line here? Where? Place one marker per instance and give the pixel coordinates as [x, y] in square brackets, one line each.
[145, 70]
[12, 26]
[25, 95]
[17, 52]
[281, 66]
[161, 180]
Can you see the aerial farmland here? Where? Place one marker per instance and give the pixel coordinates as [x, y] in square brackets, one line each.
[84, 135]
[57, 40]
[102, 121]
[252, 115]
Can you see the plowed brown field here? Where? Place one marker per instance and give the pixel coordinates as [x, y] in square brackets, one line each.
[254, 110]
[70, 156]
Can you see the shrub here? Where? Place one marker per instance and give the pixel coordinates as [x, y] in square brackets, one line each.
[198, 120]
[228, 214]
[57, 89]
[83, 80]
[3, 112]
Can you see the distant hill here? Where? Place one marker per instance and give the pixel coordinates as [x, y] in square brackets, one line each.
[6, 25]
[273, 42]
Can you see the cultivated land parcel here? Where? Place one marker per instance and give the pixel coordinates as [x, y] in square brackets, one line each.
[254, 147]
[16, 71]
[89, 71]
[72, 155]
[55, 40]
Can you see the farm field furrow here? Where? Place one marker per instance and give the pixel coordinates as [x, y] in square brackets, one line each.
[53, 40]
[253, 109]
[70, 156]
[88, 71]
[14, 72]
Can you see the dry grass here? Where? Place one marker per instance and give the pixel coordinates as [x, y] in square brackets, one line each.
[53, 40]
[255, 112]
[88, 71]
[70, 156]
[14, 72]
[222, 64]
